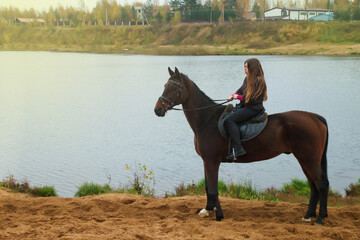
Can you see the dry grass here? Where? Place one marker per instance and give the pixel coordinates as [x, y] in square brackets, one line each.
[292, 38]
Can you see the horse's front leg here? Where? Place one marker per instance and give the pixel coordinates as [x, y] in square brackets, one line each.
[211, 184]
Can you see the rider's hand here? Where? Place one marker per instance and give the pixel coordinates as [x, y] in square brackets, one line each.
[230, 98]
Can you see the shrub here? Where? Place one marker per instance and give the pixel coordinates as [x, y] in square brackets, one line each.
[271, 194]
[143, 181]
[242, 191]
[46, 191]
[177, 18]
[23, 186]
[190, 189]
[179, 191]
[353, 190]
[342, 15]
[93, 189]
[297, 187]
[10, 182]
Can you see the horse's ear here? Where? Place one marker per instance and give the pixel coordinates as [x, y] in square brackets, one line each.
[170, 72]
[177, 73]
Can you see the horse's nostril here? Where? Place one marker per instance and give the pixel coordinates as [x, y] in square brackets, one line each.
[158, 111]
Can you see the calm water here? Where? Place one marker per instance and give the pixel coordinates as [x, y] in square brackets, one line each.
[67, 118]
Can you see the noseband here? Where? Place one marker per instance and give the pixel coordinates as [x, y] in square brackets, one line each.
[171, 103]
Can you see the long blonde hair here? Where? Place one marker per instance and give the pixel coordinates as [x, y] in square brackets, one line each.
[255, 80]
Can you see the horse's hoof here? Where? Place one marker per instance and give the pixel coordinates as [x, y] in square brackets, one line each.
[204, 213]
[319, 222]
[306, 219]
[218, 219]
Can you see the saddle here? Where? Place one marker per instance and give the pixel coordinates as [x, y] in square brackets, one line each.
[249, 129]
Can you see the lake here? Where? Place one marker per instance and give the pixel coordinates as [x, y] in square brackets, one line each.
[68, 118]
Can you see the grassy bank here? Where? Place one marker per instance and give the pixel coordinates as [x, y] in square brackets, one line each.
[23, 186]
[142, 183]
[277, 37]
[296, 190]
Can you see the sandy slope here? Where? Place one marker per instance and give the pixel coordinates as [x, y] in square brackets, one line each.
[119, 216]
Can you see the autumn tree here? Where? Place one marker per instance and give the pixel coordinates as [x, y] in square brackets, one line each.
[341, 5]
[114, 12]
[149, 11]
[342, 8]
[318, 4]
[263, 6]
[177, 18]
[240, 8]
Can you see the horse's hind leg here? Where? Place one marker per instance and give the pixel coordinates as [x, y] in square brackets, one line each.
[319, 186]
[314, 199]
[324, 191]
[318, 175]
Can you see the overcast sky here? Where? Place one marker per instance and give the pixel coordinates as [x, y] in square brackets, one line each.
[40, 5]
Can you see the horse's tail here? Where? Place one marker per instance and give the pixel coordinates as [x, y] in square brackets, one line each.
[324, 158]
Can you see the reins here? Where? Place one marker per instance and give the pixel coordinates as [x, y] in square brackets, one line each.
[171, 102]
[201, 108]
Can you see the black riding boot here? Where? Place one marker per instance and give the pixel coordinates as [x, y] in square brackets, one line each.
[237, 149]
[231, 123]
[236, 152]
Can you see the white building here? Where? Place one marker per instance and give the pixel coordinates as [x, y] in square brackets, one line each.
[140, 13]
[294, 13]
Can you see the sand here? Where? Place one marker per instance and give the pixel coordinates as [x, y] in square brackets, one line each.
[121, 216]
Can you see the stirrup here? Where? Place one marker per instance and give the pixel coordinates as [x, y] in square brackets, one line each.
[234, 155]
[231, 156]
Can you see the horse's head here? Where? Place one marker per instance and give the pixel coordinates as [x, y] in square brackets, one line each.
[172, 94]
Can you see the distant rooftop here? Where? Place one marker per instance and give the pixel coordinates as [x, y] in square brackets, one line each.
[30, 20]
[300, 9]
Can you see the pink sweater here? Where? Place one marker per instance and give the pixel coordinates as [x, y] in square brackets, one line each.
[239, 97]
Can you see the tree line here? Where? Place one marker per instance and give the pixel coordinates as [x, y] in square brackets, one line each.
[111, 12]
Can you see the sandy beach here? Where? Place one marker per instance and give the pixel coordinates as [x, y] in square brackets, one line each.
[121, 216]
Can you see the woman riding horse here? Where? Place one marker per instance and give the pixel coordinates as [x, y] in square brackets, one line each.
[252, 93]
[303, 134]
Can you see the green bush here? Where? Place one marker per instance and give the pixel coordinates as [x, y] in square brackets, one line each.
[297, 187]
[242, 191]
[353, 190]
[190, 189]
[93, 189]
[23, 186]
[271, 194]
[46, 191]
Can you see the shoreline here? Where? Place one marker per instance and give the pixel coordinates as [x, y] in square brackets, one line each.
[307, 49]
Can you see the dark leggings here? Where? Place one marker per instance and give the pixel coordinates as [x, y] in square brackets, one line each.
[231, 123]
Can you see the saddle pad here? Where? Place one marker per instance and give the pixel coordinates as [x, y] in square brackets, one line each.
[248, 130]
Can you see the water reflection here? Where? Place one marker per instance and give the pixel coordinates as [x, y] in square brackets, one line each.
[67, 118]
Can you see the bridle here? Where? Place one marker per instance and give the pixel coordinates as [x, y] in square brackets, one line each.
[171, 103]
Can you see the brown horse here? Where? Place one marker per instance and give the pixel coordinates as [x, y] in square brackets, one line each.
[303, 134]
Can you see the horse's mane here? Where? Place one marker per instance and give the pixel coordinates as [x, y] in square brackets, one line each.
[208, 116]
[207, 98]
